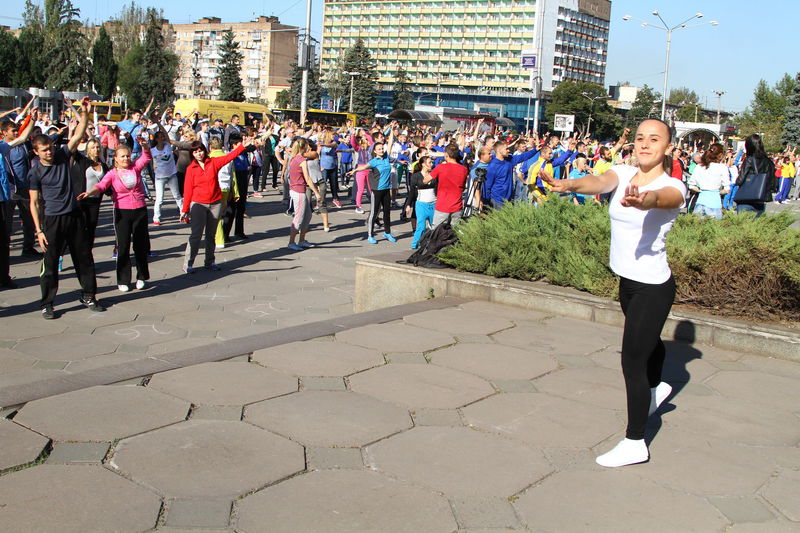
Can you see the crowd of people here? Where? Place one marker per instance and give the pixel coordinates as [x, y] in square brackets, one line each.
[54, 176]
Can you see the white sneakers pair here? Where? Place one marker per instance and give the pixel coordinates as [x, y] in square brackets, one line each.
[140, 284]
[630, 451]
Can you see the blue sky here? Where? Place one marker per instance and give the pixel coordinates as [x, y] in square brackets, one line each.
[745, 47]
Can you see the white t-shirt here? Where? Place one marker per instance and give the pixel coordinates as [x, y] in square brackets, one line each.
[164, 161]
[638, 238]
[314, 171]
[713, 178]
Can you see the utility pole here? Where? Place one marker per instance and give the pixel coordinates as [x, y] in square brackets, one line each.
[307, 59]
[352, 79]
[719, 103]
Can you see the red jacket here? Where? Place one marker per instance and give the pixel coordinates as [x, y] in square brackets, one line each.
[200, 184]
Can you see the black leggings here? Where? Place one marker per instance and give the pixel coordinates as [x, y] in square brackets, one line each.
[379, 199]
[646, 307]
[130, 226]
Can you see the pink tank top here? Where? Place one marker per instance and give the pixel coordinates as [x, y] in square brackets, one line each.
[297, 182]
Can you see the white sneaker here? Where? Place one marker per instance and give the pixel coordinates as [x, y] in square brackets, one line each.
[220, 246]
[658, 395]
[359, 211]
[123, 288]
[627, 452]
[140, 284]
[306, 244]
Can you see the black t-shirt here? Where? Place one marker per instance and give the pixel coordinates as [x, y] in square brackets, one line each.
[54, 183]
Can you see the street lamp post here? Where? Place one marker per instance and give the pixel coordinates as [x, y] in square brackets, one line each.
[352, 79]
[669, 31]
[719, 103]
[592, 99]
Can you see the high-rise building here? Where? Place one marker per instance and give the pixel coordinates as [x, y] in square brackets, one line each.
[268, 46]
[467, 53]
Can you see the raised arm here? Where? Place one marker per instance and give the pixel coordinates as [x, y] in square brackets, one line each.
[605, 182]
[621, 141]
[80, 131]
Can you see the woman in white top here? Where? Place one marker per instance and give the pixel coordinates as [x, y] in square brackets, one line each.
[644, 204]
[709, 178]
[166, 174]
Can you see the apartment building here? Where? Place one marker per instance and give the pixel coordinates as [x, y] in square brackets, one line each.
[467, 53]
[268, 46]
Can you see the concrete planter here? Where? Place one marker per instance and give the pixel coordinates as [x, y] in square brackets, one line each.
[381, 282]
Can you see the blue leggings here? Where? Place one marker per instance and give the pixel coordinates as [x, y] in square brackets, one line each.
[424, 212]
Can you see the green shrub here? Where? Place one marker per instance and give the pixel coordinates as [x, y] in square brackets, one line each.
[735, 266]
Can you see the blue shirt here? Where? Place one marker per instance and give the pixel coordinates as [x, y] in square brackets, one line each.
[347, 156]
[133, 129]
[17, 164]
[5, 184]
[327, 158]
[499, 183]
[385, 168]
[575, 174]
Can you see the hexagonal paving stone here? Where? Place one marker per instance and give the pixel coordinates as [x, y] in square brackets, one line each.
[20, 445]
[101, 413]
[594, 385]
[71, 347]
[421, 385]
[345, 501]
[562, 335]
[25, 327]
[734, 420]
[613, 500]
[458, 321]
[79, 499]
[728, 469]
[494, 361]
[319, 358]
[207, 320]
[757, 387]
[395, 338]
[784, 493]
[332, 419]
[682, 364]
[140, 334]
[506, 311]
[767, 527]
[112, 315]
[224, 383]
[208, 459]
[459, 461]
[543, 420]
[11, 361]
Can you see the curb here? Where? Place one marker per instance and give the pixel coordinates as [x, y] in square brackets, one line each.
[382, 281]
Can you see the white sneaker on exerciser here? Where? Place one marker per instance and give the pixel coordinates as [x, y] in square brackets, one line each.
[123, 288]
[658, 395]
[627, 452]
[140, 284]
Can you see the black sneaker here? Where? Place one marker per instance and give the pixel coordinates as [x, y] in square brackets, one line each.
[47, 312]
[93, 305]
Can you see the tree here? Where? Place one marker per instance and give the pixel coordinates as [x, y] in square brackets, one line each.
[682, 96]
[104, 68]
[358, 59]
[766, 113]
[644, 106]
[68, 64]
[160, 66]
[125, 29]
[283, 99]
[8, 55]
[791, 127]
[313, 88]
[573, 98]
[337, 84]
[31, 59]
[402, 96]
[229, 70]
[130, 74]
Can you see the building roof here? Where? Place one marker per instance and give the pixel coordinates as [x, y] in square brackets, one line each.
[421, 117]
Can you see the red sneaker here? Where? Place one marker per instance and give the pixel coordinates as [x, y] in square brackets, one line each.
[337, 203]
[156, 223]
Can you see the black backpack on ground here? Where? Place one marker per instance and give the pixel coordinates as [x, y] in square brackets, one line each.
[431, 243]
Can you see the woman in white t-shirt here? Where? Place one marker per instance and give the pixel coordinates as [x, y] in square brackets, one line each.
[709, 178]
[166, 174]
[644, 204]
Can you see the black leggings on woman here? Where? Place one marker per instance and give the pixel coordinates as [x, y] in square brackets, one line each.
[379, 200]
[645, 307]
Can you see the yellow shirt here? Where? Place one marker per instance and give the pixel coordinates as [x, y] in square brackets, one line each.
[534, 194]
[787, 170]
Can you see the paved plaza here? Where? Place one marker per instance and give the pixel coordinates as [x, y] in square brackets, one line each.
[443, 416]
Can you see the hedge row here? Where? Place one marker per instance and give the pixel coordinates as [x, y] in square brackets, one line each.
[738, 265]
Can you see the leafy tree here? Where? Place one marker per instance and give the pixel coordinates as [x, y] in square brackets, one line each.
[403, 96]
[229, 70]
[313, 88]
[104, 68]
[358, 59]
[159, 66]
[791, 128]
[283, 99]
[31, 59]
[573, 98]
[68, 64]
[125, 29]
[682, 96]
[337, 84]
[8, 55]
[33, 16]
[766, 113]
[130, 74]
[644, 106]
[689, 113]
